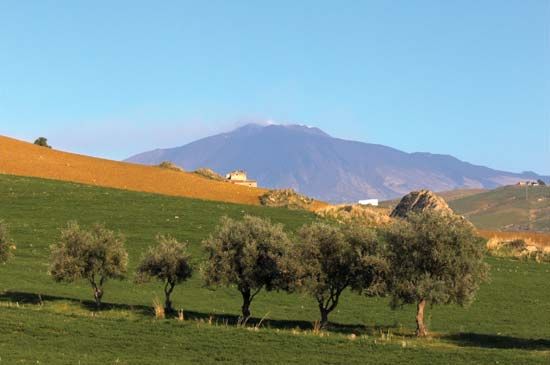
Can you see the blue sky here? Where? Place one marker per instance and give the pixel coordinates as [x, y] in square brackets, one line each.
[114, 78]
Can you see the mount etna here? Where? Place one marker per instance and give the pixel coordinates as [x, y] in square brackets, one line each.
[327, 168]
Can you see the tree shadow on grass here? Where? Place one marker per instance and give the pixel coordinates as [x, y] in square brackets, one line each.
[498, 342]
[213, 318]
[39, 299]
[234, 320]
[461, 339]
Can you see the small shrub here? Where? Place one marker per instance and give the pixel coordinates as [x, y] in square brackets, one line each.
[316, 327]
[517, 244]
[209, 174]
[512, 248]
[370, 216]
[181, 316]
[170, 166]
[159, 309]
[43, 142]
[539, 239]
[519, 248]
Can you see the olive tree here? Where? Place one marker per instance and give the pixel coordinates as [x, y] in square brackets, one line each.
[6, 244]
[95, 255]
[167, 262]
[329, 259]
[247, 254]
[434, 259]
[43, 142]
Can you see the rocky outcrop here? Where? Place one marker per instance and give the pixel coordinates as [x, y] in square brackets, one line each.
[420, 201]
[287, 198]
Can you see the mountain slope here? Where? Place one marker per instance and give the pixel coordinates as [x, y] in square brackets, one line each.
[328, 168]
[26, 159]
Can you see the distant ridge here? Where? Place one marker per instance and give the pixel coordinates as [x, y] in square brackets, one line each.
[331, 169]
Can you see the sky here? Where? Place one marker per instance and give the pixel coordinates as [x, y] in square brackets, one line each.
[114, 78]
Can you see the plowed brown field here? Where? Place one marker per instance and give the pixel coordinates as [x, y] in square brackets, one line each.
[26, 159]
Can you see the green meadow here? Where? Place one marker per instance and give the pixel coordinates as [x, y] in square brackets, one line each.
[43, 322]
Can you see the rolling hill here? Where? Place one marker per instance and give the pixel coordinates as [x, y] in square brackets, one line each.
[448, 196]
[512, 208]
[26, 159]
[331, 169]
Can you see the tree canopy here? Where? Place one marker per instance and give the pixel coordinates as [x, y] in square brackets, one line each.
[329, 258]
[167, 262]
[95, 255]
[436, 259]
[248, 254]
[43, 142]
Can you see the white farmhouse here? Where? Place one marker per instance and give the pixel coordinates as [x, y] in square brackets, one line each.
[373, 202]
[239, 177]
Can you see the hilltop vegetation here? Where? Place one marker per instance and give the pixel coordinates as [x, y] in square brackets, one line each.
[286, 198]
[209, 174]
[55, 321]
[170, 166]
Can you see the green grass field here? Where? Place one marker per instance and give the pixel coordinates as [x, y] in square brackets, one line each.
[49, 323]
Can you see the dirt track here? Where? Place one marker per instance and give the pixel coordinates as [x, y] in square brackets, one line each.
[26, 159]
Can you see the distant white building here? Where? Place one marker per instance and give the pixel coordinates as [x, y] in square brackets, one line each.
[528, 183]
[373, 202]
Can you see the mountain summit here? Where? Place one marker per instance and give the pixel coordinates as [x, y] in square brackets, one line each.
[335, 170]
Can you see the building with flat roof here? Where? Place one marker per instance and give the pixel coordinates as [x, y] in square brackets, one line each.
[239, 177]
[373, 202]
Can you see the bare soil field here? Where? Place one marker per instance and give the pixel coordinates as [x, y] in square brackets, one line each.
[26, 159]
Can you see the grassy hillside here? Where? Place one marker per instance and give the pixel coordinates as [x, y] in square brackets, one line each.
[49, 323]
[507, 208]
[449, 196]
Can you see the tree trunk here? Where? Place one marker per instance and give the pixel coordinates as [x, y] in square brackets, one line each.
[246, 304]
[169, 287]
[324, 315]
[421, 330]
[98, 294]
[168, 304]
